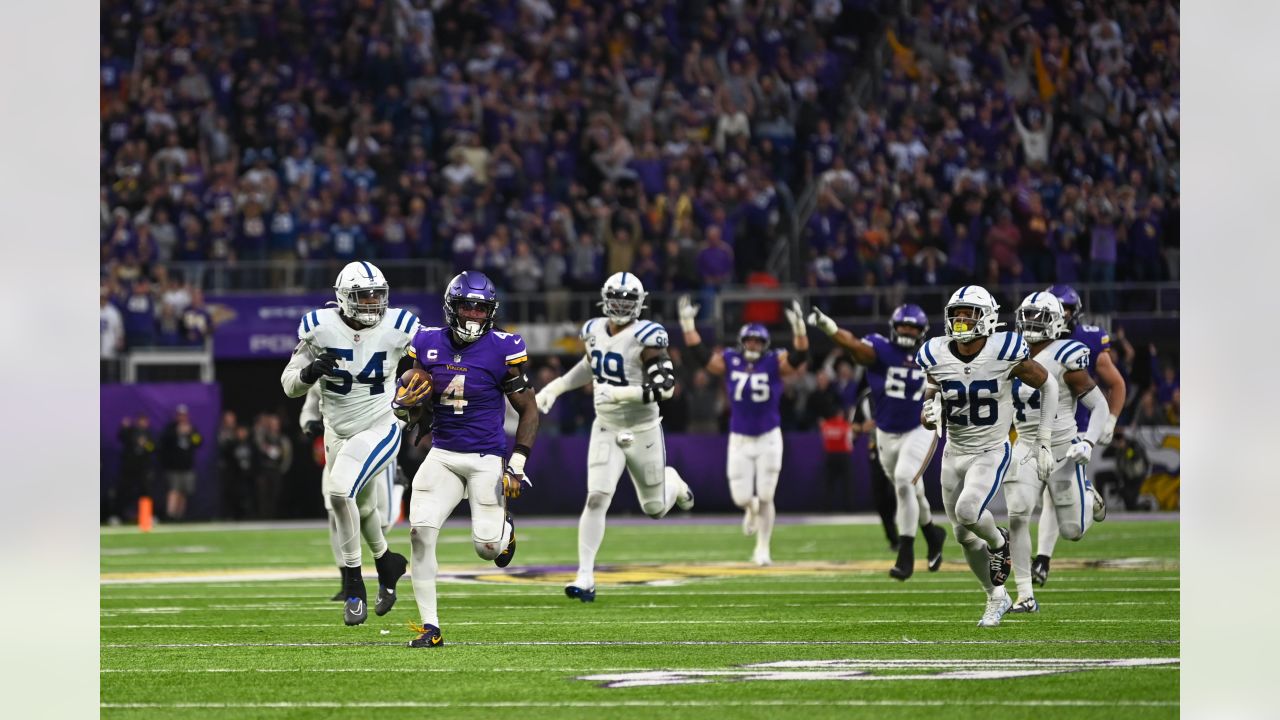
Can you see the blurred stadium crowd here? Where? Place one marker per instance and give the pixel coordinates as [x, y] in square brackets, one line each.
[552, 143]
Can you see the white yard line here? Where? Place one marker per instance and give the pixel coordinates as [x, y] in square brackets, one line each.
[646, 643]
[604, 704]
[615, 622]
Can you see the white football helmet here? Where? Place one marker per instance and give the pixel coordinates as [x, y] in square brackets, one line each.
[362, 293]
[1040, 317]
[986, 314]
[622, 297]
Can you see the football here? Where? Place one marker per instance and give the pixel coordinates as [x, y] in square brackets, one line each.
[413, 378]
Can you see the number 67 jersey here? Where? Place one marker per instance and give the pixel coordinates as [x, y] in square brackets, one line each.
[897, 386]
[977, 392]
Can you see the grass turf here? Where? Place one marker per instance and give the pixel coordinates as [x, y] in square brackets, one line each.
[188, 631]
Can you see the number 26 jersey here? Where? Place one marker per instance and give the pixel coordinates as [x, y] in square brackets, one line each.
[977, 393]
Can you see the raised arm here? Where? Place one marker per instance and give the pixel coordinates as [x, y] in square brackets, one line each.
[713, 362]
[792, 361]
[862, 353]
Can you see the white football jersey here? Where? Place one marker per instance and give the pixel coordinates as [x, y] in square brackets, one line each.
[1059, 357]
[977, 395]
[615, 360]
[360, 396]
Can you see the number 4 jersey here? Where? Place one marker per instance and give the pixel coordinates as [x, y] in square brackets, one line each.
[358, 394]
[978, 396]
[755, 390]
[466, 387]
[615, 360]
[897, 386]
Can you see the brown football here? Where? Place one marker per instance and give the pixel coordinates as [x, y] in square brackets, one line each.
[408, 377]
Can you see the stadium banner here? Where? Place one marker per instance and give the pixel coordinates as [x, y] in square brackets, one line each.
[256, 326]
[158, 402]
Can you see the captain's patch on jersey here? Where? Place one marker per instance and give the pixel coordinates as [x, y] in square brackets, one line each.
[857, 669]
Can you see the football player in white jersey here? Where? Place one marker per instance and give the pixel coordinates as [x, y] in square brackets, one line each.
[390, 492]
[1074, 502]
[354, 350]
[968, 375]
[627, 358]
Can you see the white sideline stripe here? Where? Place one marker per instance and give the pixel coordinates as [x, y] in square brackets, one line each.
[656, 643]
[731, 606]
[969, 662]
[772, 621]
[382, 704]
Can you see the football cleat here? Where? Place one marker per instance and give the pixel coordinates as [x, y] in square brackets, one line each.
[1027, 604]
[583, 594]
[508, 554]
[906, 564]
[1001, 563]
[339, 596]
[935, 537]
[997, 606]
[391, 567]
[684, 500]
[1040, 570]
[355, 611]
[761, 557]
[1099, 505]
[428, 636]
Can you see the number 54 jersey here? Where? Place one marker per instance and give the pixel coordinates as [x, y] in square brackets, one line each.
[977, 392]
[466, 387]
[615, 360]
[358, 395]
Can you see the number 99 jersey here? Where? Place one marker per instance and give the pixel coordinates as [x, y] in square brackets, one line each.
[358, 395]
[897, 386]
[615, 360]
[977, 393]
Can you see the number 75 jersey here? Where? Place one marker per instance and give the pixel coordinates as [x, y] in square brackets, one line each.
[978, 393]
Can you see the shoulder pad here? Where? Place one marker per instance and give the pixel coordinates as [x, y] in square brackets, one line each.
[588, 326]
[652, 334]
[310, 321]
[405, 321]
[925, 356]
[1070, 352]
[1013, 347]
[512, 347]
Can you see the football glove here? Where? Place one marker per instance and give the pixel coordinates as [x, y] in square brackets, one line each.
[795, 316]
[819, 319]
[688, 314]
[321, 366]
[1044, 463]
[513, 478]
[1108, 430]
[415, 392]
[932, 410]
[313, 429]
[1080, 453]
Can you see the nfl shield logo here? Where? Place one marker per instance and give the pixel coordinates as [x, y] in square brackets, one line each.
[356, 338]
[457, 358]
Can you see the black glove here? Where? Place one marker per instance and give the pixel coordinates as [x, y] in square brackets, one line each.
[319, 367]
[313, 429]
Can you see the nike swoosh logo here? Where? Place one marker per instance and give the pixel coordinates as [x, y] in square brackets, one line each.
[389, 591]
[646, 447]
[435, 640]
[359, 608]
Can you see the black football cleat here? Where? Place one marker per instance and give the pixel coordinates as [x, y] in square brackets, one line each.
[935, 537]
[355, 611]
[509, 552]
[428, 636]
[584, 594]
[391, 567]
[1040, 570]
[906, 564]
[1001, 563]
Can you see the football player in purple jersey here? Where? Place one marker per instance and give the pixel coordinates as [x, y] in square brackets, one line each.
[753, 380]
[904, 445]
[1103, 369]
[475, 370]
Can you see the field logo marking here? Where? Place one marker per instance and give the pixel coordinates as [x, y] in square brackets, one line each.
[827, 670]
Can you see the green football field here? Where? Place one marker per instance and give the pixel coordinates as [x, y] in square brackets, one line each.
[223, 622]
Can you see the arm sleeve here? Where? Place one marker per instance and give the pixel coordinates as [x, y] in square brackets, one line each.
[1048, 400]
[1098, 414]
[291, 379]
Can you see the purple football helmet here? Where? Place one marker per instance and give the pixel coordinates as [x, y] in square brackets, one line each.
[910, 315]
[472, 291]
[752, 330]
[1070, 303]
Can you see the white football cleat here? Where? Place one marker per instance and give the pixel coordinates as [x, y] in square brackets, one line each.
[1099, 505]
[761, 557]
[997, 606]
[1027, 604]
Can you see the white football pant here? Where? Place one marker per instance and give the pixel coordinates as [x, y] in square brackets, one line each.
[1065, 493]
[353, 467]
[969, 483]
[904, 457]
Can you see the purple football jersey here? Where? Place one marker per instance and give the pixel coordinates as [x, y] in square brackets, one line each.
[466, 388]
[1098, 341]
[755, 391]
[897, 386]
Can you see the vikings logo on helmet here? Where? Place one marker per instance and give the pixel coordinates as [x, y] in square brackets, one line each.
[753, 331]
[471, 290]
